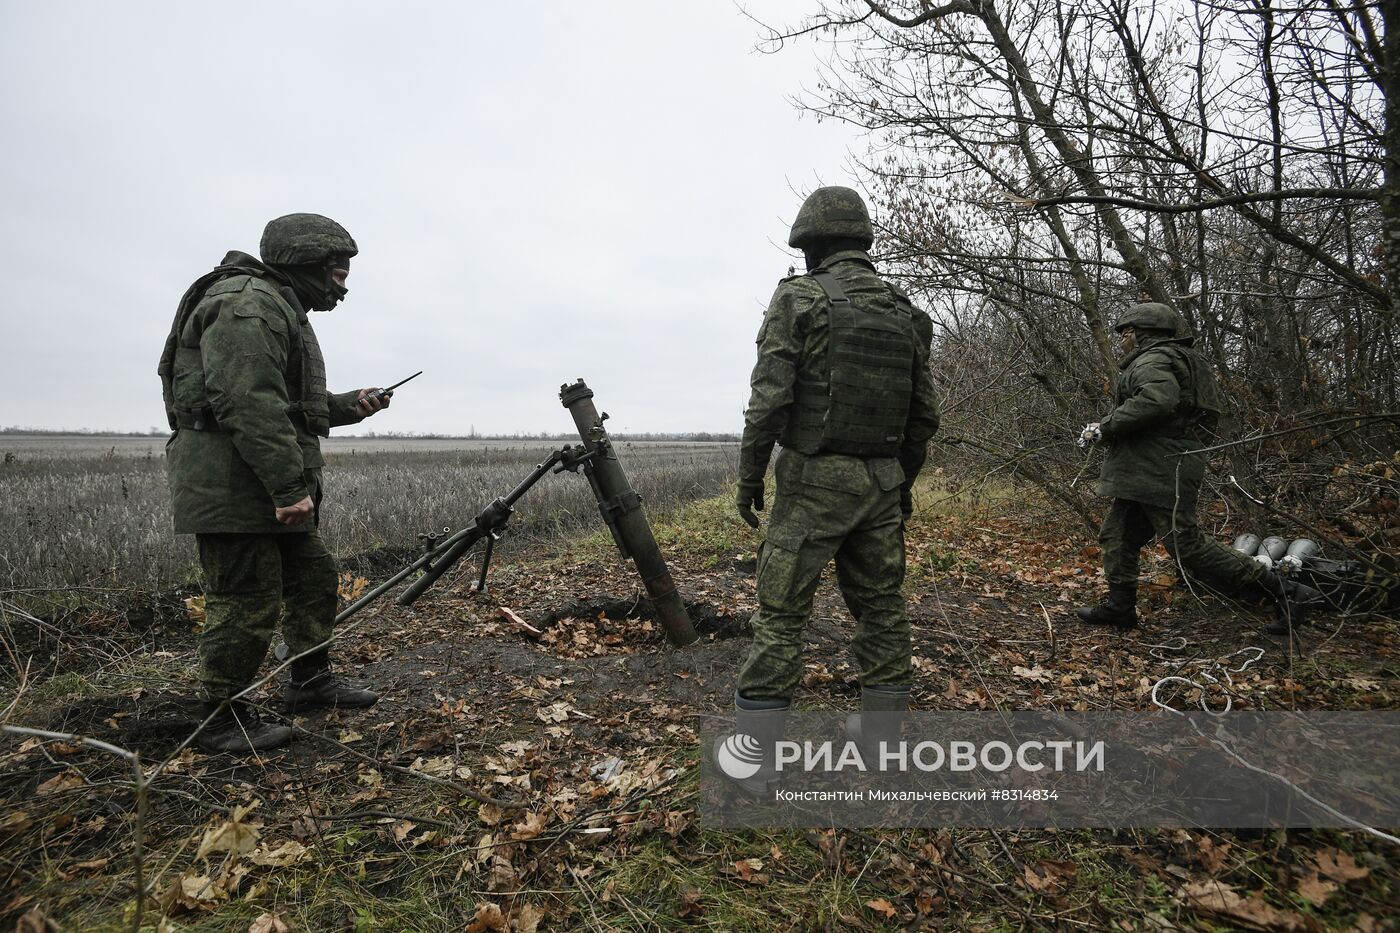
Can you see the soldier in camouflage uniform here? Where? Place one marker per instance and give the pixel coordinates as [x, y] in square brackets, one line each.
[245, 393]
[842, 383]
[1167, 403]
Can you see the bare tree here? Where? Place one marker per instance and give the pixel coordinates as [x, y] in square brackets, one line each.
[1039, 165]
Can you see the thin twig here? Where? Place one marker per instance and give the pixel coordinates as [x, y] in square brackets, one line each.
[1384, 416]
[138, 827]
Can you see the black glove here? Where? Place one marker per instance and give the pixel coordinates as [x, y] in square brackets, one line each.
[906, 503]
[749, 500]
[494, 516]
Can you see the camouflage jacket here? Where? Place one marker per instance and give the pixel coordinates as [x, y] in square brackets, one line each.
[792, 345]
[1150, 425]
[255, 343]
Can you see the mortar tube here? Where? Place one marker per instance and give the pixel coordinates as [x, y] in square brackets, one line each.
[616, 496]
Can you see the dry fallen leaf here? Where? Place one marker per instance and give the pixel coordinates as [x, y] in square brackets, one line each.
[749, 870]
[1315, 889]
[1212, 855]
[1213, 897]
[528, 917]
[530, 827]
[351, 587]
[200, 891]
[502, 876]
[555, 712]
[95, 864]
[288, 853]
[269, 923]
[16, 821]
[64, 780]
[1339, 866]
[488, 918]
[690, 902]
[1048, 876]
[883, 906]
[232, 836]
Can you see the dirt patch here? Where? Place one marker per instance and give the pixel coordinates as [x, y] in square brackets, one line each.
[605, 627]
[153, 725]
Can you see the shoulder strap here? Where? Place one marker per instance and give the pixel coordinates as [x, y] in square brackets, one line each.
[188, 301]
[823, 277]
[901, 300]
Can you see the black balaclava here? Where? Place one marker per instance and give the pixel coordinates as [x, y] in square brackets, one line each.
[315, 287]
[816, 251]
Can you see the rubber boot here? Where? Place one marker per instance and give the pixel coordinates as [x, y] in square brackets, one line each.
[315, 686]
[1119, 610]
[1291, 600]
[747, 757]
[876, 727]
[237, 728]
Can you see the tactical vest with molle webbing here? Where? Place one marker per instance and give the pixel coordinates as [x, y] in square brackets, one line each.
[182, 366]
[863, 406]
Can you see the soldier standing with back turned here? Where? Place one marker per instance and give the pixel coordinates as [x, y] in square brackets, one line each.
[245, 393]
[1167, 403]
[842, 383]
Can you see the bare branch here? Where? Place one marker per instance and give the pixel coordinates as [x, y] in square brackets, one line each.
[1192, 207]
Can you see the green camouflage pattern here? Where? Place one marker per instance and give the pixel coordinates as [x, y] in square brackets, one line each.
[862, 406]
[1167, 403]
[792, 351]
[833, 212]
[1155, 421]
[247, 580]
[294, 239]
[1153, 316]
[1130, 525]
[248, 352]
[830, 506]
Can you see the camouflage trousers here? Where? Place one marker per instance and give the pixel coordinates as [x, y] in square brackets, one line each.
[1130, 525]
[247, 580]
[830, 506]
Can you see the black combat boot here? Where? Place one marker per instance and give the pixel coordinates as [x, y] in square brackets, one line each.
[1291, 600]
[314, 685]
[1119, 610]
[237, 727]
[747, 757]
[879, 721]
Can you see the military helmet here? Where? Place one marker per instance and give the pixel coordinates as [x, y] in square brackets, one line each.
[294, 239]
[831, 212]
[1151, 315]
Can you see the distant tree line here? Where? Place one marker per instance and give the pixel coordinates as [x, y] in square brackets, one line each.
[691, 436]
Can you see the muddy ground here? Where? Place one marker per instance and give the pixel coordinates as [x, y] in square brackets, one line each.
[592, 712]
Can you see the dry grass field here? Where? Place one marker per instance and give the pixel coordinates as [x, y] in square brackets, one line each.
[91, 515]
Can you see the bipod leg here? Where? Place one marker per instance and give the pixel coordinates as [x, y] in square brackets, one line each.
[485, 563]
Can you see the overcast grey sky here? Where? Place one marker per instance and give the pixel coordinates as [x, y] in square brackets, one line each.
[588, 189]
